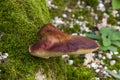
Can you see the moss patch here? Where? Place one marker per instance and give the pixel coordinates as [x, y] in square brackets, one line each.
[20, 21]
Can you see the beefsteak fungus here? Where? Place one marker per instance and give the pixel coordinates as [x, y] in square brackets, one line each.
[54, 42]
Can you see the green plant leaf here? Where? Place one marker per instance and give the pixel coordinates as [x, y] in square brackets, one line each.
[106, 32]
[116, 4]
[115, 35]
[103, 48]
[106, 41]
[116, 43]
[112, 48]
[93, 36]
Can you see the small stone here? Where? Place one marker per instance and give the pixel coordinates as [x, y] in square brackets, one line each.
[97, 78]
[83, 2]
[111, 52]
[100, 51]
[76, 21]
[116, 52]
[70, 62]
[64, 16]
[88, 7]
[99, 55]
[117, 15]
[102, 62]
[73, 15]
[74, 34]
[94, 65]
[109, 56]
[118, 22]
[106, 15]
[103, 57]
[104, 72]
[105, 67]
[57, 20]
[1, 58]
[96, 17]
[118, 56]
[69, 10]
[65, 56]
[101, 6]
[114, 71]
[112, 62]
[100, 66]
[88, 66]
[97, 70]
[6, 54]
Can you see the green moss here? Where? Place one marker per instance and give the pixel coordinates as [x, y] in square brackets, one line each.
[112, 20]
[79, 73]
[20, 21]
[92, 3]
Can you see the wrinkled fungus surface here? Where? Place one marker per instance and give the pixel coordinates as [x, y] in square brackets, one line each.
[53, 40]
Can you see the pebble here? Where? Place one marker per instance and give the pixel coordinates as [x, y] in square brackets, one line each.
[101, 6]
[97, 70]
[114, 12]
[70, 62]
[102, 62]
[114, 71]
[88, 7]
[103, 57]
[6, 54]
[108, 55]
[73, 15]
[74, 34]
[1, 58]
[117, 15]
[116, 52]
[94, 65]
[100, 66]
[112, 62]
[105, 67]
[111, 52]
[64, 16]
[118, 22]
[99, 55]
[104, 72]
[118, 56]
[106, 15]
[65, 56]
[96, 17]
[88, 66]
[97, 78]
[68, 9]
[57, 21]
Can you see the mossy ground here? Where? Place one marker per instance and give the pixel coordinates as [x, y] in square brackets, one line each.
[19, 21]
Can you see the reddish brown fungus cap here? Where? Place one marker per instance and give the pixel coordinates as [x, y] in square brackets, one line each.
[55, 43]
